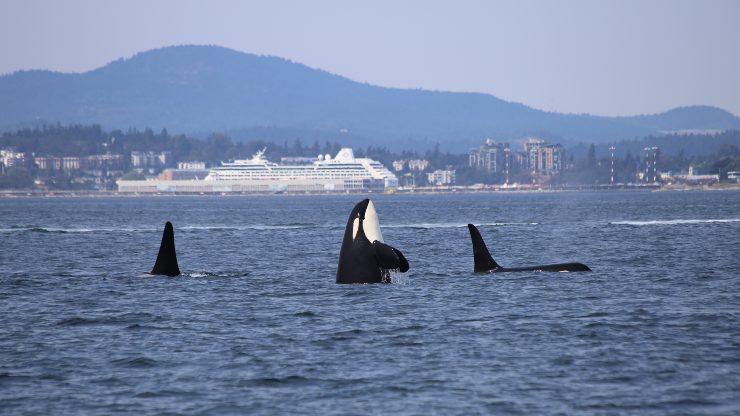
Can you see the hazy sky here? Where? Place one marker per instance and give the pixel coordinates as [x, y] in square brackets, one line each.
[600, 57]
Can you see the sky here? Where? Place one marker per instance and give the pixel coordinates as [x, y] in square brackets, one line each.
[608, 57]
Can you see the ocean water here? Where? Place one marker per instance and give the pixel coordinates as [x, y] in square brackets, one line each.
[256, 325]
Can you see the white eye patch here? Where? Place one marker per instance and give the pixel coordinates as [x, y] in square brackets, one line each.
[355, 227]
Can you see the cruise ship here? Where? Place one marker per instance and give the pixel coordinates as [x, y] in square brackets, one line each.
[342, 173]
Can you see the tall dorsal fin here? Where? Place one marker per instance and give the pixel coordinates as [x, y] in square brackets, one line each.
[166, 263]
[483, 260]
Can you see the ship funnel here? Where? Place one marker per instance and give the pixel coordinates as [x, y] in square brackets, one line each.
[345, 155]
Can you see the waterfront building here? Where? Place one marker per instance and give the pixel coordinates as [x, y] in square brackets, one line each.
[407, 180]
[520, 161]
[441, 177]
[48, 163]
[542, 158]
[651, 164]
[150, 159]
[553, 158]
[186, 173]
[106, 161]
[71, 163]
[165, 158]
[691, 177]
[418, 164]
[489, 157]
[10, 158]
[191, 166]
[413, 165]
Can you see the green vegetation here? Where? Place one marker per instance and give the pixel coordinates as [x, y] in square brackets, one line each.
[16, 178]
[588, 165]
[727, 160]
[79, 140]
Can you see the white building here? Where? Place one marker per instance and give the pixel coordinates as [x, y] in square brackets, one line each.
[191, 165]
[10, 158]
[441, 177]
[418, 164]
[150, 159]
[488, 157]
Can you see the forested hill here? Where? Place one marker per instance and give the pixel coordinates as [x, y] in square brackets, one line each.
[203, 89]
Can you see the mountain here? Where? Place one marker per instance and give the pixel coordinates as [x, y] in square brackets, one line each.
[202, 89]
[686, 118]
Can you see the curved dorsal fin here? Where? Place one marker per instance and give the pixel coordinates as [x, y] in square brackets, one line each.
[483, 260]
[166, 263]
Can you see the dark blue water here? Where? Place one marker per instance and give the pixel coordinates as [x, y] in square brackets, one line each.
[258, 326]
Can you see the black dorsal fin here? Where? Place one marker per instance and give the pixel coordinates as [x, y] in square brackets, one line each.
[483, 260]
[166, 263]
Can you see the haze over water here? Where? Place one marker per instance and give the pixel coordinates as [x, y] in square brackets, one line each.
[256, 325]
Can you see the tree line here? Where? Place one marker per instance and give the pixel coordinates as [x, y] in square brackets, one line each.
[583, 168]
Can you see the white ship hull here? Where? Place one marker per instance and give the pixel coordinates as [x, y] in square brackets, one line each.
[344, 173]
[246, 186]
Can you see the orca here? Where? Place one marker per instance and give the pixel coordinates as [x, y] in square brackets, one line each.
[364, 257]
[484, 263]
[166, 263]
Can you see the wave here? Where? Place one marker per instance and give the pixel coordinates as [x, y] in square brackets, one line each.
[201, 274]
[675, 222]
[35, 229]
[258, 227]
[459, 225]
[70, 230]
[255, 227]
[292, 226]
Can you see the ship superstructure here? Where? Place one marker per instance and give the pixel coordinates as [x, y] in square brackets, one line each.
[344, 172]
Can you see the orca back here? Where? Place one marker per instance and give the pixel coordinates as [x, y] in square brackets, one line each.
[482, 257]
[166, 263]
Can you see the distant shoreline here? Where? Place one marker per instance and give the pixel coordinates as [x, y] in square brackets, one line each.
[452, 191]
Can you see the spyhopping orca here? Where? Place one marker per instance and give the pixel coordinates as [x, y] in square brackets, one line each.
[166, 263]
[364, 258]
[484, 263]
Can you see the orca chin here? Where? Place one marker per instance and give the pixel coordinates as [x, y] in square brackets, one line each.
[364, 257]
[484, 263]
[166, 263]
